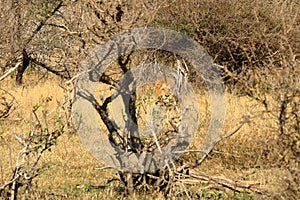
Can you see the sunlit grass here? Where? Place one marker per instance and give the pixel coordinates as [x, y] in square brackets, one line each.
[70, 171]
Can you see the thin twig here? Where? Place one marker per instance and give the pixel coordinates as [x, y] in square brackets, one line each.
[11, 70]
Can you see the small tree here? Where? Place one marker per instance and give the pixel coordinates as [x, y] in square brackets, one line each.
[46, 127]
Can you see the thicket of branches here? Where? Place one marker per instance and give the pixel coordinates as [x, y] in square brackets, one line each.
[254, 43]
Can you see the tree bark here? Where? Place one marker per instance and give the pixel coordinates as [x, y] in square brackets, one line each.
[22, 67]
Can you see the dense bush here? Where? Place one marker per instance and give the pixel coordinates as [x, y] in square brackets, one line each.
[255, 44]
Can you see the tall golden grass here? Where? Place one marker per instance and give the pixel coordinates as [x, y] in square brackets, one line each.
[69, 171]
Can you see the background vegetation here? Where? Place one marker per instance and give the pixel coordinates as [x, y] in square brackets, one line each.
[255, 44]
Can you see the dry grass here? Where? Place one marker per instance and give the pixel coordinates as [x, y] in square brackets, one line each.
[257, 42]
[70, 172]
